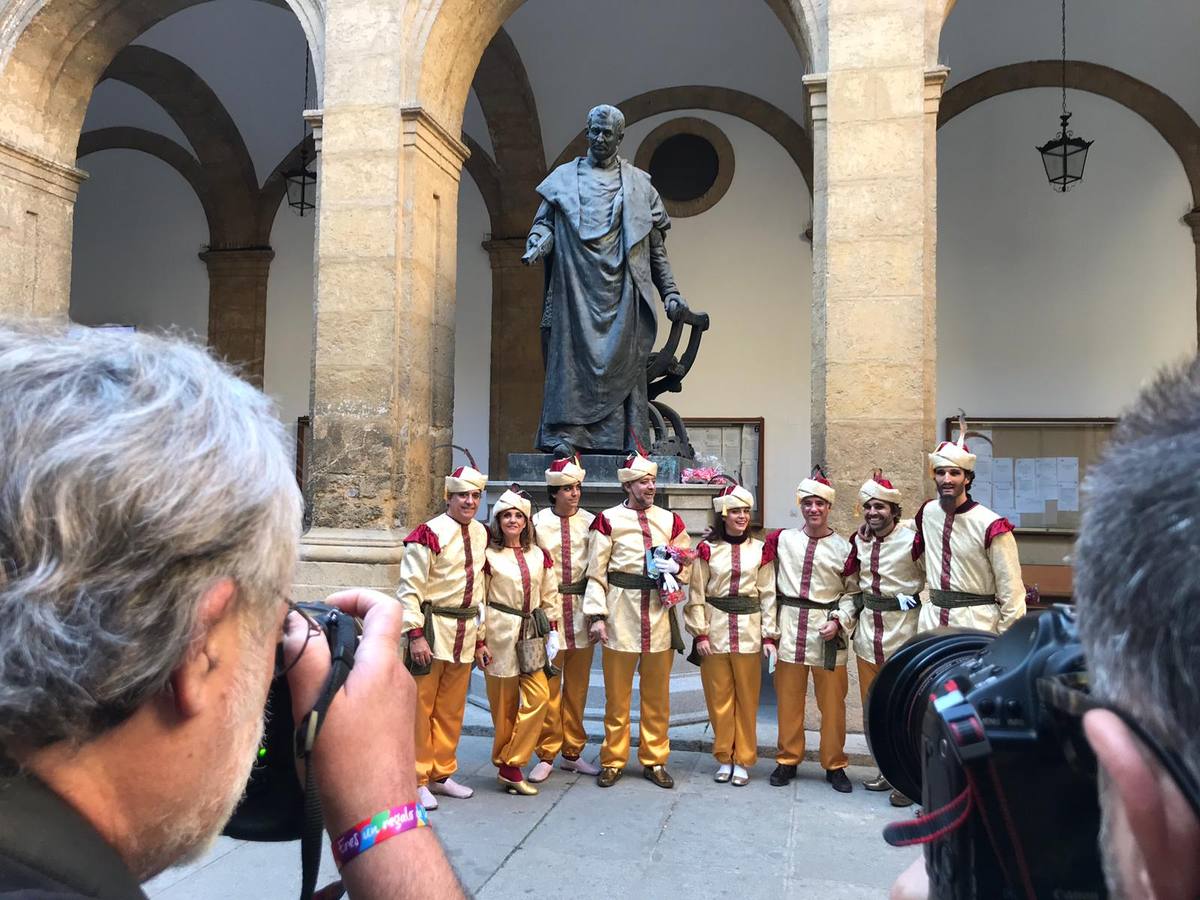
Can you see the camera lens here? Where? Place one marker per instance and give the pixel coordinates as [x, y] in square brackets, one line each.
[900, 694]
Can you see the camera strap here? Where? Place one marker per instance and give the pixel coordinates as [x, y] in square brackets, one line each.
[973, 752]
[343, 640]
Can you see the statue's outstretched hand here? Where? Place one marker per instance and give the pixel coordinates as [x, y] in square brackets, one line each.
[675, 305]
[536, 248]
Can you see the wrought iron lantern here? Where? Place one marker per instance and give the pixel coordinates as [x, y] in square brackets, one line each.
[302, 180]
[1065, 156]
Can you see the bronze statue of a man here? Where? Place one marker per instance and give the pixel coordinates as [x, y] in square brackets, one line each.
[601, 231]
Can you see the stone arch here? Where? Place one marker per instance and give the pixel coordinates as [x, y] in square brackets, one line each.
[1162, 113]
[451, 35]
[510, 111]
[771, 119]
[52, 53]
[210, 130]
[160, 147]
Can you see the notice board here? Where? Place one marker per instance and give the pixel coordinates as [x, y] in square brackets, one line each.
[737, 445]
[1029, 470]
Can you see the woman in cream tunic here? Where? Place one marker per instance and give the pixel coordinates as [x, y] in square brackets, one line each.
[521, 583]
[731, 613]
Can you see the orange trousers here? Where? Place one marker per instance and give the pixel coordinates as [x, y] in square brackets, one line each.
[791, 686]
[867, 671]
[731, 685]
[441, 702]
[563, 728]
[518, 708]
[654, 683]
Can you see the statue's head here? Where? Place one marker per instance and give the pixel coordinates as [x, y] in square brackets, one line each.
[605, 128]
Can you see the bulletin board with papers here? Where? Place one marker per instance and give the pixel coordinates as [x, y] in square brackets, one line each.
[737, 448]
[1029, 470]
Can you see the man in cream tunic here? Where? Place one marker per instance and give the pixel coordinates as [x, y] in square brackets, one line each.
[626, 615]
[601, 230]
[441, 588]
[971, 562]
[816, 592]
[563, 531]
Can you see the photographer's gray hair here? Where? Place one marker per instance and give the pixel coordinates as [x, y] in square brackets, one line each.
[134, 472]
[1136, 586]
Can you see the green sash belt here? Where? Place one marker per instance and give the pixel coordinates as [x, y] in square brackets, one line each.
[959, 599]
[734, 604]
[450, 612]
[829, 660]
[574, 588]
[877, 603]
[541, 624]
[632, 581]
[803, 602]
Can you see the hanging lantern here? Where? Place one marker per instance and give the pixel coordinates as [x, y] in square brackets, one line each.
[302, 180]
[1065, 156]
[301, 185]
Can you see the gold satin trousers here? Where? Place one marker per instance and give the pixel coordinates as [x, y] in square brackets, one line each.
[654, 684]
[441, 702]
[563, 728]
[791, 686]
[518, 709]
[731, 686]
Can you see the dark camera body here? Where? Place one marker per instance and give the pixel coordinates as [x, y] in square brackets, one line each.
[1029, 801]
[273, 807]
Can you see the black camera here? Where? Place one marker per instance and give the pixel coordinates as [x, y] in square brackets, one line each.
[967, 721]
[274, 806]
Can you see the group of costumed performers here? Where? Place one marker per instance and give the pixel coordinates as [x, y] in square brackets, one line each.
[528, 599]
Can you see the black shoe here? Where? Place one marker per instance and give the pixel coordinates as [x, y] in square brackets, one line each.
[608, 776]
[659, 775]
[837, 778]
[898, 799]
[782, 775]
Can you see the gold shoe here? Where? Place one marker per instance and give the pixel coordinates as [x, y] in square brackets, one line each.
[659, 775]
[522, 787]
[609, 775]
[878, 783]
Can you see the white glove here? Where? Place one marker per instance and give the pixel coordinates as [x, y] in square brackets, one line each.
[553, 645]
[907, 601]
[667, 565]
[669, 583]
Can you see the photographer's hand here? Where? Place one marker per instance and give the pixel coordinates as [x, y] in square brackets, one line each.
[364, 758]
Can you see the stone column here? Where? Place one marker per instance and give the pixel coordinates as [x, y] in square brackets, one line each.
[874, 356]
[383, 360]
[237, 306]
[1192, 220]
[518, 374]
[37, 209]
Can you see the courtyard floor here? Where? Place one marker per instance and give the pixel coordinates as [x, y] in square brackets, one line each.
[632, 841]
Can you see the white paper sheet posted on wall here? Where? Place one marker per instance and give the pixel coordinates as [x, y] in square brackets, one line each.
[1030, 470]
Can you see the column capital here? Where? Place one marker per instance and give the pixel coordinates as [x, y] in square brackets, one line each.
[1192, 220]
[817, 85]
[935, 82]
[424, 133]
[36, 171]
[315, 119]
[238, 259]
[505, 253]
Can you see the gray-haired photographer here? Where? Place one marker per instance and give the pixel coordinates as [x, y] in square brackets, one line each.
[1108, 759]
[149, 524]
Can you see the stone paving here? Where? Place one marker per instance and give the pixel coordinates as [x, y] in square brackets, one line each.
[633, 840]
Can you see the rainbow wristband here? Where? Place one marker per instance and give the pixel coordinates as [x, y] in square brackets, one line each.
[377, 829]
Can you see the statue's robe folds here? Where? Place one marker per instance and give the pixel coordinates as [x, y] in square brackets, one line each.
[599, 321]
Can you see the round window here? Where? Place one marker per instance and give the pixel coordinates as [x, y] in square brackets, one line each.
[690, 162]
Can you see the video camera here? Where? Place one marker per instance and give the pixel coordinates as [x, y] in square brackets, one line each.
[977, 726]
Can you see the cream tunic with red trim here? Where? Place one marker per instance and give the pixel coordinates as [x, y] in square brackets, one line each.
[443, 563]
[555, 533]
[637, 621]
[974, 551]
[818, 569]
[713, 575]
[522, 579]
[886, 568]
